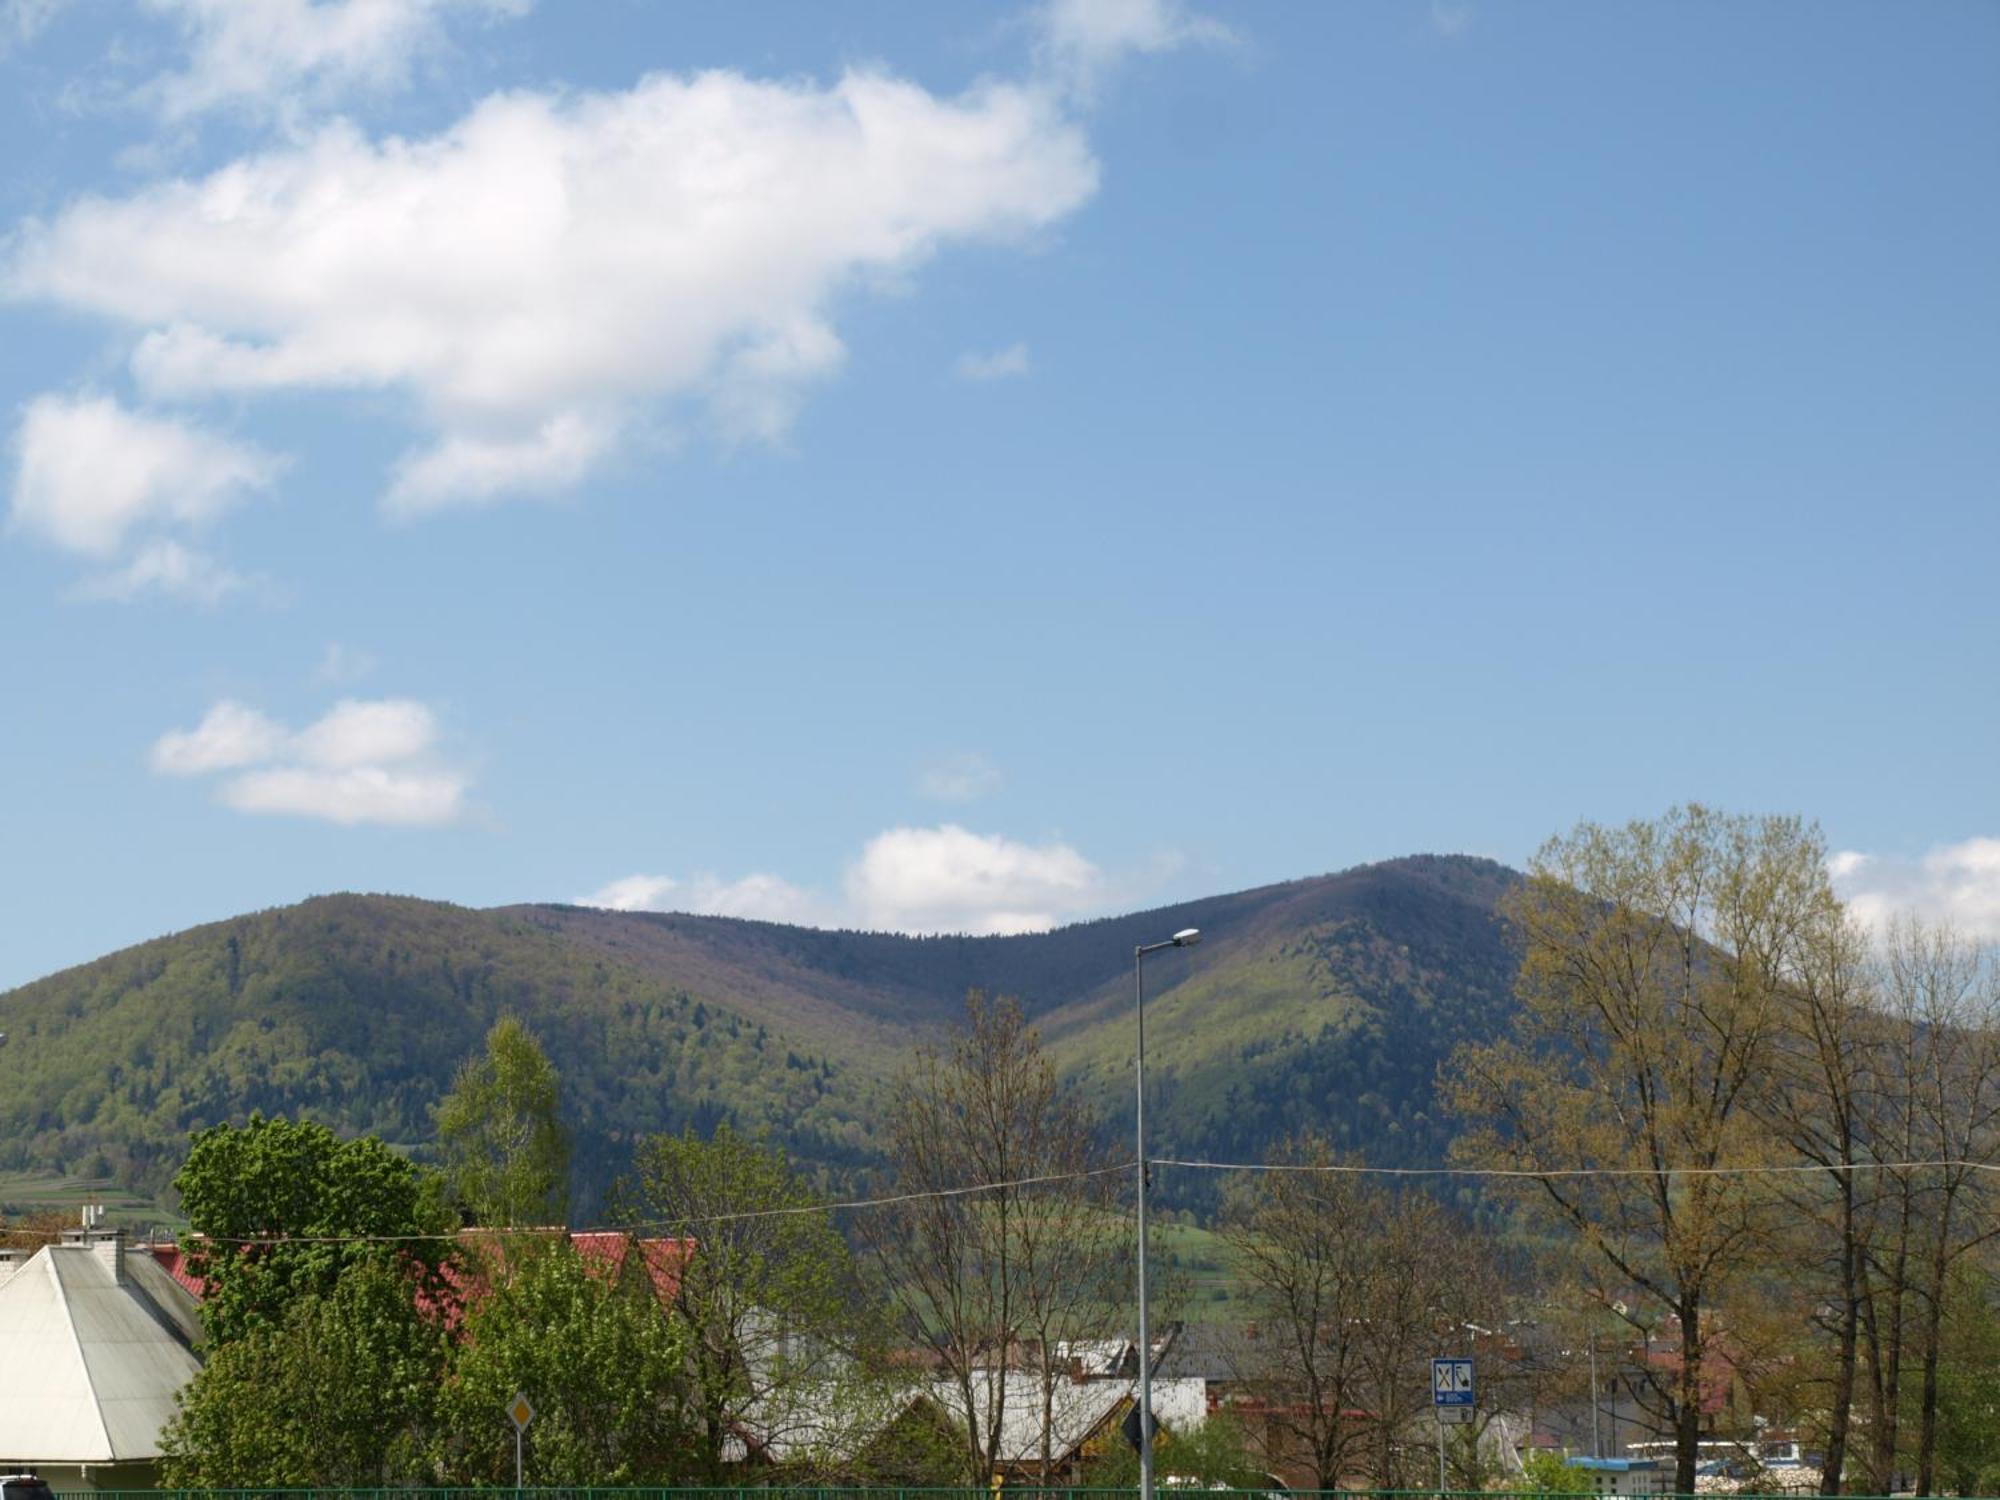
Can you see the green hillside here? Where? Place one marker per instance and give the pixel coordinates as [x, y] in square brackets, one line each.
[1325, 1002]
[355, 1010]
[1331, 1011]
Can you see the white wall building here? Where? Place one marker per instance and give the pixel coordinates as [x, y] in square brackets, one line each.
[97, 1344]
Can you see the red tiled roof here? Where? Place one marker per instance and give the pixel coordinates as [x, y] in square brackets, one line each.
[601, 1249]
[174, 1264]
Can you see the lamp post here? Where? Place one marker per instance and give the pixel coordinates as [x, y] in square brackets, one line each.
[1187, 937]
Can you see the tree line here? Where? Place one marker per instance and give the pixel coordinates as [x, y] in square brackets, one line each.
[1757, 1131]
[1747, 1150]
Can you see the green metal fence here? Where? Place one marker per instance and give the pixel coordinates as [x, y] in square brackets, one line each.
[878, 1492]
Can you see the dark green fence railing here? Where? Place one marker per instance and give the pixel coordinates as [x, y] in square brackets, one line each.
[890, 1492]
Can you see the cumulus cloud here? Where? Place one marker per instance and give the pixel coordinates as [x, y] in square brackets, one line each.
[918, 880]
[166, 569]
[949, 879]
[88, 472]
[765, 898]
[1957, 884]
[999, 365]
[392, 796]
[230, 735]
[262, 54]
[1081, 40]
[358, 733]
[959, 778]
[364, 761]
[554, 266]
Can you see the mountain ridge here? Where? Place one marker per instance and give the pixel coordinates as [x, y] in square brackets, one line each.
[355, 1008]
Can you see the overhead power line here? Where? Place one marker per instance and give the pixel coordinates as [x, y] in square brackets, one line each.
[1356, 1169]
[1344, 1169]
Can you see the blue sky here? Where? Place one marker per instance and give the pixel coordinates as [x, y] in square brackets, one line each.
[942, 467]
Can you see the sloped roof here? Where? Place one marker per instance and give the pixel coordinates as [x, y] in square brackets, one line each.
[605, 1251]
[601, 1249]
[91, 1365]
[1078, 1410]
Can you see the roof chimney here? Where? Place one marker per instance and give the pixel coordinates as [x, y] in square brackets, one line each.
[108, 1245]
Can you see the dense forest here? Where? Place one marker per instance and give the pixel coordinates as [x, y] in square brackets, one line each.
[1322, 1003]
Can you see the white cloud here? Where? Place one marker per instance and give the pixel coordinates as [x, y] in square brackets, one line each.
[166, 568]
[918, 880]
[764, 898]
[959, 778]
[999, 365]
[537, 276]
[364, 794]
[948, 879]
[1957, 884]
[343, 664]
[473, 470]
[357, 733]
[88, 472]
[262, 54]
[229, 736]
[364, 761]
[1082, 40]
[634, 893]
[22, 21]
[1450, 21]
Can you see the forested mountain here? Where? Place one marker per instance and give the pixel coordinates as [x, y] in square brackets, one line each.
[1325, 1001]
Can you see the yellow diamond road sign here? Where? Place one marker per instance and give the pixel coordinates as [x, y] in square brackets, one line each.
[521, 1410]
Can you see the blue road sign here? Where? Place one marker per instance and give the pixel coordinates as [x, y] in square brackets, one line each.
[1451, 1382]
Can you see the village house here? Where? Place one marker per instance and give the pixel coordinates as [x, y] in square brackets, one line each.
[99, 1339]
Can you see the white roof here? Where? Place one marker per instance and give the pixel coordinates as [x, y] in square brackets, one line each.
[1077, 1409]
[91, 1367]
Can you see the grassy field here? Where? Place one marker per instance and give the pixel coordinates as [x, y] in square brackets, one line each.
[1197, 1262]
[32, 1194]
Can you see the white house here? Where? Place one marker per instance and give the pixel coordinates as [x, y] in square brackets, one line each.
[98, 1342]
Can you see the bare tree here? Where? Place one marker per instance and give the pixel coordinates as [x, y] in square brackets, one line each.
[1007, 1275]
[1941, 993]
[1354, 1289]
[1303, 1243]
[1821, 1079]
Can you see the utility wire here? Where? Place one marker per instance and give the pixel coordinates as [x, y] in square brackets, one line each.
[1356, 1169]
[1323, 1169]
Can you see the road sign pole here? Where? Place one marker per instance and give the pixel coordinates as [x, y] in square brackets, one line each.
[1441, 1484]
[520, 1411]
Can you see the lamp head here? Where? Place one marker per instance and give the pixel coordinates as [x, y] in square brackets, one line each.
[1187, 937]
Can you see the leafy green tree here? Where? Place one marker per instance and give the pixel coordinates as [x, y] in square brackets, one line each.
[1213, 1453]
[769, 1302]
[340, 1393]
[281, 1210]
[504, 1150]
[595, 1352]
[1968, 1405]
[1547, 1473]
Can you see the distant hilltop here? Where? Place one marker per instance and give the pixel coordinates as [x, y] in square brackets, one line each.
[1325, 1002]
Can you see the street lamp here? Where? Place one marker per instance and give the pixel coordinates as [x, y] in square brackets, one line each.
[1187, 937]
